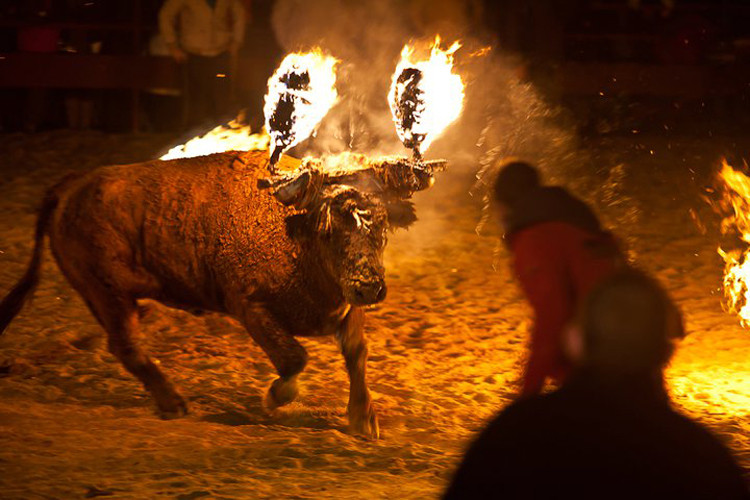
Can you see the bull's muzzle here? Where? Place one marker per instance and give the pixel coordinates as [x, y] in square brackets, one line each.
[367, 292]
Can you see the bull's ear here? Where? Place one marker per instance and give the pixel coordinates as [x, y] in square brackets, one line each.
[293, 191]
[401, 214]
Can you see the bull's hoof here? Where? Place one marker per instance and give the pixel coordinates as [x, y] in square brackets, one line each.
[171, 407]
[364, 421]
[282, 392]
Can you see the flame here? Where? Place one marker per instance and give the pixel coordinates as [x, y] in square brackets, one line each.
[425, 95]
[230, 137]
[736, 198]
[300, 93]
[346, 161]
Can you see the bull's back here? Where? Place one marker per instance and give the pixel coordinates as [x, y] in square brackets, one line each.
[236, 233]
[186, 227]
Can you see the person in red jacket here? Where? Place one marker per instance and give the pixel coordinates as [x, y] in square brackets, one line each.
[560, 251]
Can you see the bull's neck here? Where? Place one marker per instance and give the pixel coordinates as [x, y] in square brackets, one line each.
[312, 264]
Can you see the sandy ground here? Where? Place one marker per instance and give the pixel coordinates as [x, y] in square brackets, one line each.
[446, 347]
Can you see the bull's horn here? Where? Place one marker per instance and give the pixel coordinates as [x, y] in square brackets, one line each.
[403, 177]
[299, 189]
[294, 190]
[397, 177]
[275, 157]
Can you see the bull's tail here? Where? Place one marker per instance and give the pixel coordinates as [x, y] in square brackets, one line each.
[11, 305]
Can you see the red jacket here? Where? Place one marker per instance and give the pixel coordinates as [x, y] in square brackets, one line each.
[560, 253]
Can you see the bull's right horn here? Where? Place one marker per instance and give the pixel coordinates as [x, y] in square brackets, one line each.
[299, 190]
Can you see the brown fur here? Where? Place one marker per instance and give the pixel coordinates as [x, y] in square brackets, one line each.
[199, 234]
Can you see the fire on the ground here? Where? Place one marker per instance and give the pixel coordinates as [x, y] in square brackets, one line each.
[735, 204]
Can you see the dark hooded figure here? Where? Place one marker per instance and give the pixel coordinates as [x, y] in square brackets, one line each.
[609, 431]
[560, 251]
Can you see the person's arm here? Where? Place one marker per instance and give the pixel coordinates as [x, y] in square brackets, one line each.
[167, 21]
[540, 268]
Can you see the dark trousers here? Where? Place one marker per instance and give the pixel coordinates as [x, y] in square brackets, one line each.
[207, 89]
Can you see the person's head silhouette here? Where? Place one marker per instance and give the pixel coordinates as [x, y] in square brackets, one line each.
[627, 326]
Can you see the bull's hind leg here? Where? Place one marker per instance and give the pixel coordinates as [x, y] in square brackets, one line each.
[119, 317]
[287, 355]
[100, 263]
[362, 417]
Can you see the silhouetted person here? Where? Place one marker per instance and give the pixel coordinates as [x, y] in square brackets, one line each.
[560, 251]
[609, 432]
[207, 39]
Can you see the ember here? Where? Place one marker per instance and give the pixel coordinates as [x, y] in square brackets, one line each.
[300, 93]
[736, 198]
[425, 96]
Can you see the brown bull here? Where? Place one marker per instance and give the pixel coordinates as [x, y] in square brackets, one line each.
[203, 233]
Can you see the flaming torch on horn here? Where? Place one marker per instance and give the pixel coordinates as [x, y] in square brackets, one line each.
[300, 93]
[425, 96]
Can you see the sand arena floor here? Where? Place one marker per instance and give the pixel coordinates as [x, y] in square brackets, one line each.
[446, 347]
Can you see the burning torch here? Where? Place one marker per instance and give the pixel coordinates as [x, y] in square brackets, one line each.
[300, 93]
[425, 96]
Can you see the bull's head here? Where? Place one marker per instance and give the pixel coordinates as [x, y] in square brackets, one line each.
[350, 213]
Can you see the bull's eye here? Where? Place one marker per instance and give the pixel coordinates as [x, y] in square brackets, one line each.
[351, 219]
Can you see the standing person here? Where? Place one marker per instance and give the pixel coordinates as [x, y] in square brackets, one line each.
[80, 109]
[560, 251]
[207, 39]
[40, 34]
[610, 431]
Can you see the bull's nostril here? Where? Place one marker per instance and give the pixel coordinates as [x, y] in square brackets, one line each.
[369, 292]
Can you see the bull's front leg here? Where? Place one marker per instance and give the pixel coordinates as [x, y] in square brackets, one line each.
[287, 355]
[362, 417]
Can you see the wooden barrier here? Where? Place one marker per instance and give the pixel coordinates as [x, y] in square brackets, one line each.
[85, 71]
[689, 82]
[138, 73]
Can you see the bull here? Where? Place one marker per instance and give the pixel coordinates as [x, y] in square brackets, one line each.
[205, 234]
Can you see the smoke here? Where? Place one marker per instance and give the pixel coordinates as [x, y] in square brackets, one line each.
[503, 115]
[367, 37]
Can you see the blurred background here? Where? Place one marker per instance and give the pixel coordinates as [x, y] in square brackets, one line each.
[100, 64]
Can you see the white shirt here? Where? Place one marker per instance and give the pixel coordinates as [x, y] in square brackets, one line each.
[202, 30]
